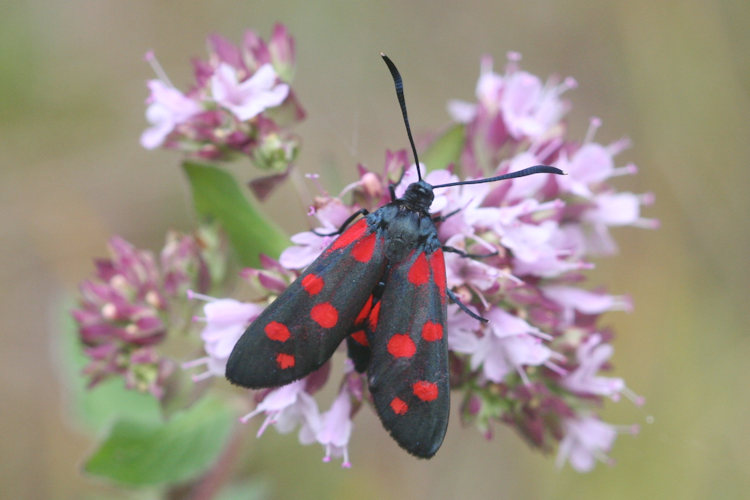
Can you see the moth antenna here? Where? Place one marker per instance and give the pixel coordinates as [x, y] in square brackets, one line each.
[537, 169]
[402, 102]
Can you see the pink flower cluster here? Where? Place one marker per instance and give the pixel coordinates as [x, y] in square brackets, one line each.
[241, 103]
[540, 363]
[124, 313]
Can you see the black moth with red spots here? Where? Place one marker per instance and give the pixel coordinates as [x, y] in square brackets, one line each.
[380, 285]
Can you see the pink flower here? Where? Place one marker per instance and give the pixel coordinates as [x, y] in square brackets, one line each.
[225, 111]
[472, 272]
[248, 98]
[587, 440]
[287, 407]
[516, 104]
[525, 188]
[592, 355]
[336, 428]
[226, 321]
[539, 363]
[576, 299]
[510, 344]
[592, 236]
[530, 108]
[588, 166]
[616, 209]
[488, 91]
[167, 108]
[531, 243]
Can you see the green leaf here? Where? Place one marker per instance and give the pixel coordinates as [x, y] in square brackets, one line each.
[446, 149]
[217, 196]
[138, 453]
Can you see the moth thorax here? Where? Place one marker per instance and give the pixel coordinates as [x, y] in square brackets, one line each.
[419, 196]
[403, 235]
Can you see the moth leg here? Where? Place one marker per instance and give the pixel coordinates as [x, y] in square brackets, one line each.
[400, 178]
[463, 307]
[441, 218]
[361, 211]
[447, 248]
[392, 187]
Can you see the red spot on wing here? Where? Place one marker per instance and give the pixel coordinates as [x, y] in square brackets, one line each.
[284, 360]
[401, 346]
[373, 319]
[277, 331]
[437, 263]
[364, 248]
[432, 331]
[364, 312]
[325, 315]
[360, 337]
[426, 391]
[399, 406]
[419, 273]
[351, 234]
[312, 283]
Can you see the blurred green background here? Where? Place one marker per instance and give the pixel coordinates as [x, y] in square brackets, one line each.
[672, 75]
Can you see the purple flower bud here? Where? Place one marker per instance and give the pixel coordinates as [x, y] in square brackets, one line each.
[123, 313]
[184, 265]
[255, 50]
[282, 53]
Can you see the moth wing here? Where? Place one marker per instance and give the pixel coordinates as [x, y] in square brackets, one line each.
[408, 373]
[302, 328]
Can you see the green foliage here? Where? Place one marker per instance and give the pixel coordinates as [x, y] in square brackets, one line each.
[140, 453]
[218, 197]
[446, 149]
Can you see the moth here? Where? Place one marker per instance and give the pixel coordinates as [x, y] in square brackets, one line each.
[381, 286]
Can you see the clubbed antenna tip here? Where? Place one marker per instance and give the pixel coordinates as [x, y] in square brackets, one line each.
[536, 169]
[398, 82]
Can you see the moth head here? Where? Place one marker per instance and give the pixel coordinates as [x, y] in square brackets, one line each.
[419, 196]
